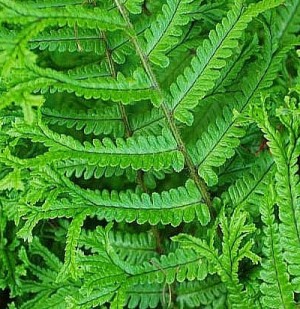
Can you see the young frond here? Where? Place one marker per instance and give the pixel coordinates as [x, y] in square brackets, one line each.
[276, 287]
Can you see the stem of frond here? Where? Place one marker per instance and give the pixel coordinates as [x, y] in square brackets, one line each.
[167, 112]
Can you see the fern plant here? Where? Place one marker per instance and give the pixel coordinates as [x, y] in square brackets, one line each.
[149, 154]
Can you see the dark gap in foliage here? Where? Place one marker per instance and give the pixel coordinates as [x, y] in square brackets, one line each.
[172, 181]
[91, 222]
[4, 298]
[276, 213]
[57, 60]
[26, 149]
[112, 183]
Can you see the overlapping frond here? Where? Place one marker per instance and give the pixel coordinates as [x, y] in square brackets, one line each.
[139, 153]
[68, 39]
[183, 204]
[166, 30]
[216, 145]
[276, 288]
[226, 265]
[61, 15]
[90, 121]
[248, 191]
[124, 89]
[194, 294]
[200, 78]
[285, 151]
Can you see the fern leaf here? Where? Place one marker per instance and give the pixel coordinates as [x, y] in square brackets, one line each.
[61, 16]
[139, 153]
[70, 266]
[134, 6]
[165, 31]
[148, 122]
[195, 294]
[182, 204]
[225, 133]
[126, 90]
[66, 39]
[13, 180]
[42, 4]
[249, 189]
[233, 251]
[276, 288]
[46, 292]
[287, 181]
[180, 265]
[215, 146]
[79, 168]
[287, 21]
[201, 77]
[134, 248]
[93, 121]
[147, 296]
[89, 71]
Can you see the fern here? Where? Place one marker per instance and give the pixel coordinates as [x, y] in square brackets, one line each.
[287, 181]
[164, 32]
[274, 272]
[149, 154]
[207, 64]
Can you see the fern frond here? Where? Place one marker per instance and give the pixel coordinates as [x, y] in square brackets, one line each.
[180, 265]
[147, 296]
[165, 31]
[67, 39]
[276, 287]
[90, 70]
[42, 4]
[13, 12]
[79, 169]
[248, 191]
[134, 6]
[136, 160]
[119, 89]
[215, 146]
[133, 248]
[139, 153]
[70, 266]
[285, 155]
[196, 294]
[47, 292]
[234, 69]
[233, 251]
[183, 204]
[211, 58]
[287, 24]
[12, 180]
[225, 133]
[150, 121]
[105, 121]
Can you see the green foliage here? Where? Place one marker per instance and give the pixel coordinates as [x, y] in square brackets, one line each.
[149, 154]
